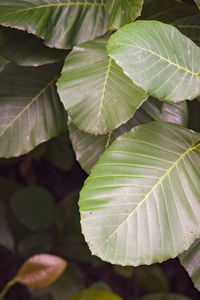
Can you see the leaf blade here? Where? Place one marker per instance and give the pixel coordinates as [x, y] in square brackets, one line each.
[134, 186]
[157, 50]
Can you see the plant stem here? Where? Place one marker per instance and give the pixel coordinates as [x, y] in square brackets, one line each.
[7, 287]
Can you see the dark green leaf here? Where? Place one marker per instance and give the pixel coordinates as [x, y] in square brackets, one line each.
[6, 237]
[167, 11]
[152, 279]
[134, 201]
[61, 24]
[34, 207]
[35, 244]
[60, 153]
[95, 91]
[190, 259]
[159, 59]
[123, 11]
[190, 26]
[17, 46]
[30, 109]
[88, 147]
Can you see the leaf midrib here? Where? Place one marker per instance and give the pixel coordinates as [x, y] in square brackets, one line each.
[168, 61]
[27, 106]
[193, 147]
[59, 5]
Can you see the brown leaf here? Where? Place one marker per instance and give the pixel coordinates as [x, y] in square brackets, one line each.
[41, 270]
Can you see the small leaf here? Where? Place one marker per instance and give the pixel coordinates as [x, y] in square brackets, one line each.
[41, 270]
[94, 295]
[35, 243]
[190, 26]
[143, 186]
[152, 279]
[30, 109]
[88, 147]
[122, 12]
[190, 259]
[158, 58]
[34, 207]
[17, 46]
[167, 296]
[62, 24]
[95, 91]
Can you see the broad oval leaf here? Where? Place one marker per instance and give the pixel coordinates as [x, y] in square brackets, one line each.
[30, 109]
[165, 296]
[190, 26]
[135, 200]
[17, 46]
[167, 11]
[91, 294]
[62, 24]
[89, 148]
[190, 259]
[123, 11]
[95, 91]
[41, 270]
[34, 207]
[158, 58]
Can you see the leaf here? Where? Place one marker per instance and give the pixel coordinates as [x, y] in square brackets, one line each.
[17, 46]
[94, 90]
[152, 279]
[158, 58]
[89, 148]
[41, 270]
[8, 188]
[60, 153]
[3, 62]
[94, 295]
[167, 296]
[190, 259]
[34, 207]
[190, 26]
[122, 12]
[61, 24]
[135, 200]
[68, 283]
[167, 11]
[6, 237]
[31, 111]
[198, 3]
[35, 243]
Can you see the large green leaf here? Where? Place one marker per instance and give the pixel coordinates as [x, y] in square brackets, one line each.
[165, 296]
[95, 91]
[30, 109]
[62, 24]
[141, 204]
[159, 59]
[88, 147]
[90, 294]
[190, 26]
[17, 46]
[123, 11]
[34, 207]
[190, 259]
[167, 11]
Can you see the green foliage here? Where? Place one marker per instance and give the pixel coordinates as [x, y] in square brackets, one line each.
[83, 74]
